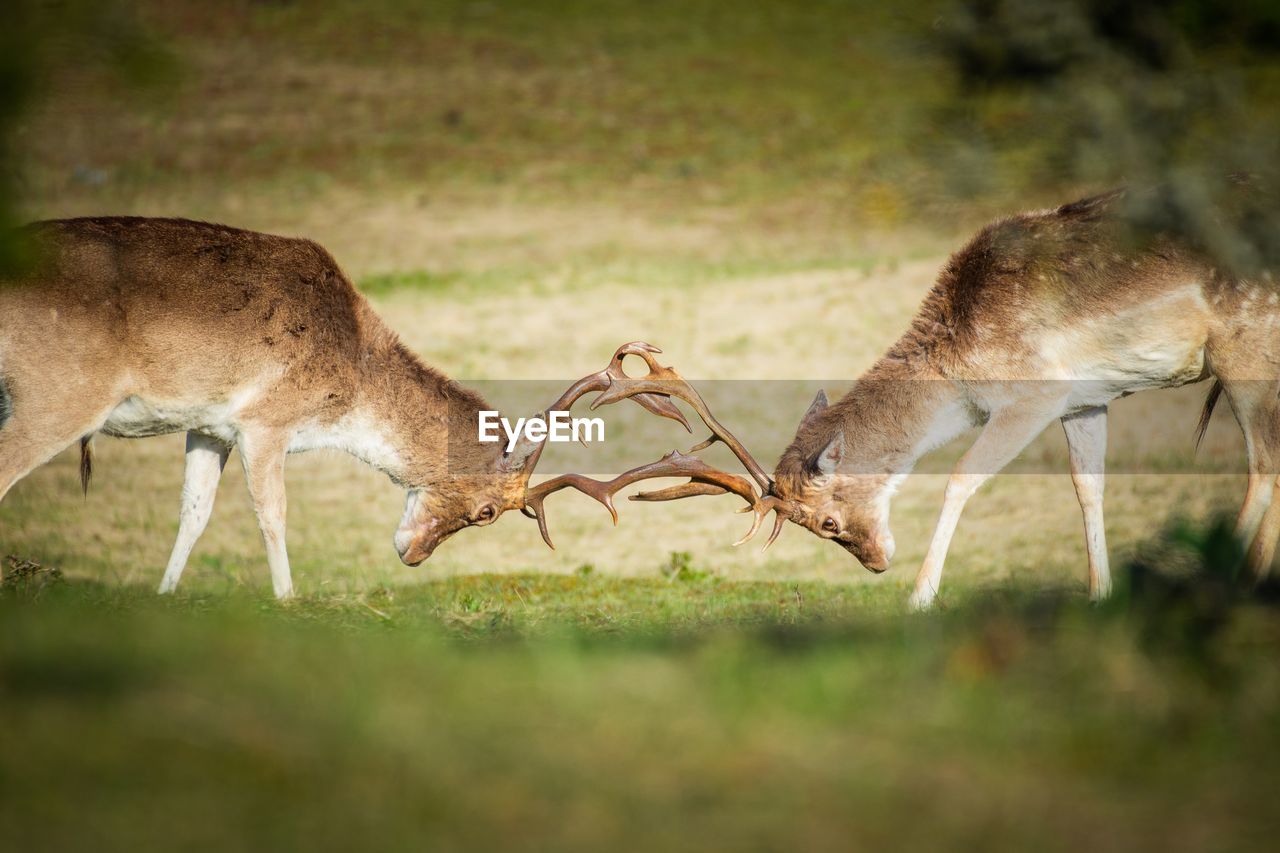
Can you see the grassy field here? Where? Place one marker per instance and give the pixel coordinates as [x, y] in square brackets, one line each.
[535, 712]
[520, 188]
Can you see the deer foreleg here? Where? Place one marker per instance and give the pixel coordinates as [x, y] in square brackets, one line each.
[1087, 444]
[1000, 441]
[263, 459]
[206, 458]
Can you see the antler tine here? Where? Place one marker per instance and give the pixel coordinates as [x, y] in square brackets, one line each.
[709, 480]
[664, 383]
[675, 493]
[783, 511]
[654, 392]
[778, 521]
[760, 507]
[705, 443]
[601, 381]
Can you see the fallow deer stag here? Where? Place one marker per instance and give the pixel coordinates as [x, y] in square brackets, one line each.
[137, 327]
[1041, 317]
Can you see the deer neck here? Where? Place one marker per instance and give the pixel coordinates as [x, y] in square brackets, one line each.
[404, 418]
[896, 413]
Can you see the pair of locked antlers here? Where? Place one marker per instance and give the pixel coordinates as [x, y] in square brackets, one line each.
[654, 392]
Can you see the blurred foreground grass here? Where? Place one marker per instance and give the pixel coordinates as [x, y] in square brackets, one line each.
[586, 712]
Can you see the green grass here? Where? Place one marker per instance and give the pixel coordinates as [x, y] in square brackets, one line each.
[588, 713]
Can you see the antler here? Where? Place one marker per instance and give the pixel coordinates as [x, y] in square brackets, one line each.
[706, 479]
[761, 506]
[602, 381]
[654, 392]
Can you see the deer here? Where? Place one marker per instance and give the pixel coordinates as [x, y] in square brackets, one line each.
[135, 327]
[1041, 317]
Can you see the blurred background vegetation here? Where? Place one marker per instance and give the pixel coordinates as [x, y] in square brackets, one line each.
[627, 170]
[815, 122]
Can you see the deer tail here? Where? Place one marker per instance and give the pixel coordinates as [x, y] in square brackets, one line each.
[1207, 412]
[86, 462]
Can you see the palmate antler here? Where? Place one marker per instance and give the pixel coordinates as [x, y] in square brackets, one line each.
[654, 392]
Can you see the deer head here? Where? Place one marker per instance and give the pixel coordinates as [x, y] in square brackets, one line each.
[432, 515]
[852, 510]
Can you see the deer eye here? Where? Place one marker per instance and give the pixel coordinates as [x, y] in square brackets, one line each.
[830, 525]
[485, 513]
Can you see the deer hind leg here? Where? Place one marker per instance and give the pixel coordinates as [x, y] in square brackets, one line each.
[1257, 410]
[1262, 549]
[20, 454]
[34, 431]
[262, 455]
[1266, 531]
[1087, 444]
[1256, 405]
[206, 457]
[1001, 440]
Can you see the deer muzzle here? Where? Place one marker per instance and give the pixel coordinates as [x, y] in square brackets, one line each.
[874, 554]
[416, 544]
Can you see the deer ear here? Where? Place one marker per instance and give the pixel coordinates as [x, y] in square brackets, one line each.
[826, 462]
[519, 455]
[816, 408]
[515, 460]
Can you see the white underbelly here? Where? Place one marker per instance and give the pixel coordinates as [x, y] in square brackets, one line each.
[140, 418]
[1157, 368]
